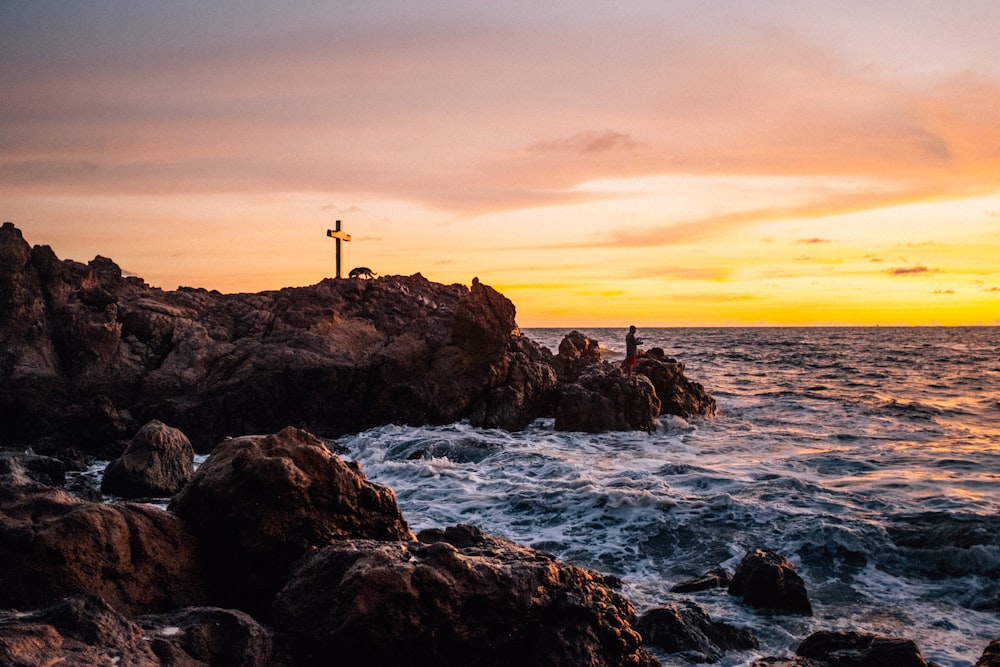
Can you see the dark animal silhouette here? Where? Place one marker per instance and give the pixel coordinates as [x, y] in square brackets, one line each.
[361, 272]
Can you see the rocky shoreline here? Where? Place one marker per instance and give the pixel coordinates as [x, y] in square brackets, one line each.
[276, 551]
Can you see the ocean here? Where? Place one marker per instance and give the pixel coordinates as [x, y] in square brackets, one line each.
[869, 457]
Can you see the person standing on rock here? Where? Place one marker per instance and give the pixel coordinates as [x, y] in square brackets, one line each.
[631, 350]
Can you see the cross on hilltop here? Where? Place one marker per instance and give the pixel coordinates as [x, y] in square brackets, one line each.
[335, 233]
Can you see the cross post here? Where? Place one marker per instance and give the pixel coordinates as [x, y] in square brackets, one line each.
[335, 233]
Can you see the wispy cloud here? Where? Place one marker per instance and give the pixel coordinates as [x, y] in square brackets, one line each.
[910, 271]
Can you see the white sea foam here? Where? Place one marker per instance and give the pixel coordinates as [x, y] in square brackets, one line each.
[868, 458]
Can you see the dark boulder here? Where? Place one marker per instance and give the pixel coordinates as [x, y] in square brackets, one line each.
[602, 399]
[157, 463]
[683, 628]
[464, 599]
[577, 352]
[991, 656]
[717, 578]
[856, 649]
[76, 631]
[768, 581]
[678, 395]
[258, 503]
[52, 544]
[213, 636]
[43, 469]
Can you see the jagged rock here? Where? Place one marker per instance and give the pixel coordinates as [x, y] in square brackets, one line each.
[602, 399]
[458, 598]
[52, 544]
[258, 503]
[213, 636]
[717, 578]
[856, 649]
[76, 631]
[576, 353]
[157, 463]
[767, 580]
[991, 656]
[678, 395]
[44, 469]
[682, 627]
[87, 355]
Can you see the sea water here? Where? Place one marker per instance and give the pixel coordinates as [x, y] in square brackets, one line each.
[869, 457]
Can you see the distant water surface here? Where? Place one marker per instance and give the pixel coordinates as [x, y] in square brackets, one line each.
[870, 457]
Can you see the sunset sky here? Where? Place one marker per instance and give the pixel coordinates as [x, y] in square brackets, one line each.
[664, 162]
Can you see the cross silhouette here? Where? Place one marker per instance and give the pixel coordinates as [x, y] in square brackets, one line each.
[335, 233]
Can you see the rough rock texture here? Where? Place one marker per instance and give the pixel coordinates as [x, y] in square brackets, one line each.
[682, 627]
[87, 355]
[717, 578]
[76, 632]
[678, 395]
[258, 503]
[991, 656]
[602, 399]
[457, 597]
[44, 469]
[855, 649]
[216, 637]
[52, 544]
[767, 580]
[157, 463]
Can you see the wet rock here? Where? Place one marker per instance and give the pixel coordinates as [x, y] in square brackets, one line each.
[157, 463]
[52, 545]
[79, 630]
[991, 656]
[478, 601]
[678, 395]
[717, 578]
[258, 503]
[768, 581]
[213, 636]
[683, 628]
[856, 649]
[602, 399]
[43, 469]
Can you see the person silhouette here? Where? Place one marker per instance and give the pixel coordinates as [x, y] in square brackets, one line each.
[631, 350]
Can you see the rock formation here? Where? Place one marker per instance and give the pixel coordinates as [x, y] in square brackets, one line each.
[767, 580]
[87, 355]
[138, 558]
[260, 502]
[157, 463]
[683, 628]
[456, 597]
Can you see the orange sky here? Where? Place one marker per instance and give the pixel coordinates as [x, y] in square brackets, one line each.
[657, 163]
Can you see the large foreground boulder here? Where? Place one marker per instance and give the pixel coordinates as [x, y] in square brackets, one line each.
[76, 631]
[258, 503]
[213, 636]
[455, 598]
[140, 559]
[157, 463]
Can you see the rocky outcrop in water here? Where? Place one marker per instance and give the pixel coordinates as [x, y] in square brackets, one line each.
[683, 628]
[88, 354]
[851, 649]
[767, 580]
